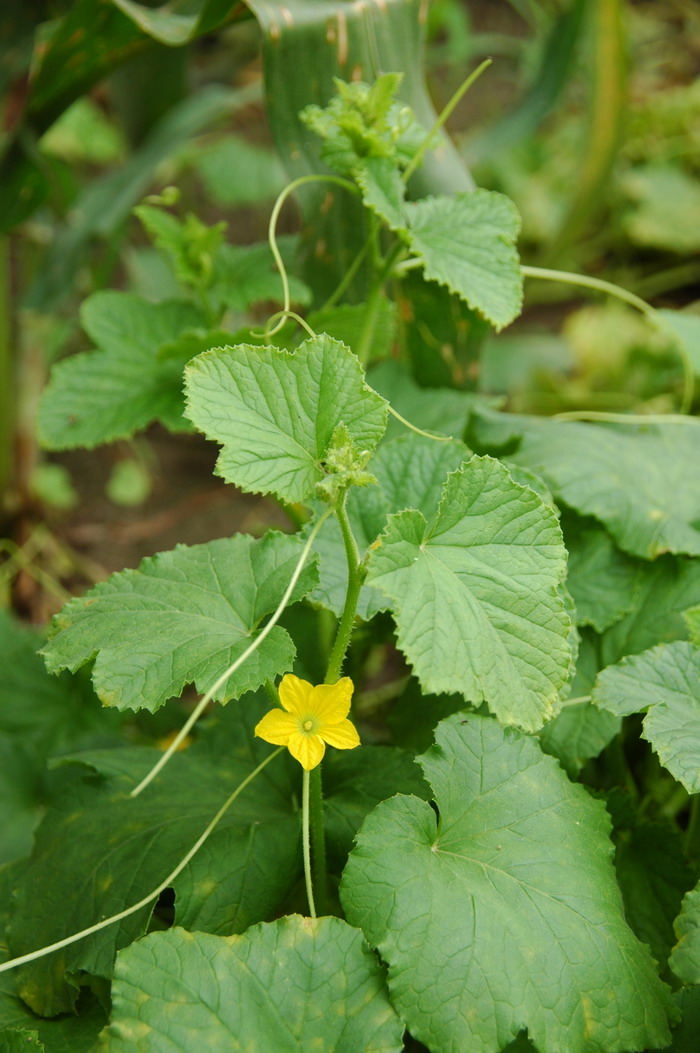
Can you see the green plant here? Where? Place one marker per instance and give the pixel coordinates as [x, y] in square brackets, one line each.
[518, 589]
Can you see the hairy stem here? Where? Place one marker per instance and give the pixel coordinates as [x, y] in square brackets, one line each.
[355, 579]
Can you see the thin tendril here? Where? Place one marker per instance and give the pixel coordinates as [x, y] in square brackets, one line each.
[206, 699]
[626, 418]
[418, 431]
[272, 232]
[209, 829]
[651, 313]
[444, 116]
[283, 316]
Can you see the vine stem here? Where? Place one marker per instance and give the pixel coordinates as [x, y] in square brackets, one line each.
[306, 843]
[443, 117]
[272, 232]
[588, 282]
[206, 698]
[375, 297]
[206, 833]
[355, 579]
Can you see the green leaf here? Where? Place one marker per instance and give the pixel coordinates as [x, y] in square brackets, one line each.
[503, 913]
[183, 617]
[21, 796]
[653, 877]
[685, 958]
[467, 243]
[410, 472]
[189, 244]
[664, 592]
[475, 594]
[692, 620]
[601, 579]
[124, 385]
[247, 274]
[99, 851]
[275, 412]
[663, 682]
[685, 328]
[640, 481]
[667, 213]
[354, 782]
[19, 1041]
[291, 986]
[383, 191]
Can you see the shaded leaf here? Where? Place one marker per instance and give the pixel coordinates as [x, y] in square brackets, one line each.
[475, 594]
[664, 683]
[441, 410]
[290, 986]
[346, 324]
[577, 734]
[183, 617]
[601, 579]
[467, 243]
[505, 913]
[276, 413]
[685, 328]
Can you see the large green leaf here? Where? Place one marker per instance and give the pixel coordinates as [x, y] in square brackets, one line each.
[639, 480]
[410, 473]
[578, 733]
[503, 913]
[110, 393]
[475, 593]
[467, 243]
[276, 413]
[685, 958]
[99, 851]
[664, 683]
[441, 410]
[296, 985]
[183, 617]
[685, 328]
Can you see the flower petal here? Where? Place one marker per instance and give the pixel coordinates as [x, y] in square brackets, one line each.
[294, 694]
[331, 702]
[276, 727]
[307, 749]
[343, 735]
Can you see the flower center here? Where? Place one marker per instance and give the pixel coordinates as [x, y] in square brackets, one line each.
[309, 725]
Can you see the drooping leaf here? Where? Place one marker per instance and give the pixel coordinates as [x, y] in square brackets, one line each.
[601, 579]
[275, 413]
[653, 877]
[638, 480]
[664, 683]
[99, 851]
[125, 384]
[238, 172]
[467, 243]
[475, 594]
[505, 913]
[685, 957]
[183, 617]
[410, 473]
[291, 986]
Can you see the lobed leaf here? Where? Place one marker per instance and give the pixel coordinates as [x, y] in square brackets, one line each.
[183, 617]
[503, 913]
[685, 957]
[467, 243]
[291, 986]
[275, 412]
[664, 683]
[107, 394]
[475, 594]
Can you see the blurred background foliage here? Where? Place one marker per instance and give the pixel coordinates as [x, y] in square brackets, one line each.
[589, 118]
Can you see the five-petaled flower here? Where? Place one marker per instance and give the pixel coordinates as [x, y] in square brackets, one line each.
[314, 716]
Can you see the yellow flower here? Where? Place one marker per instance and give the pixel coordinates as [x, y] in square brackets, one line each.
[314, 716]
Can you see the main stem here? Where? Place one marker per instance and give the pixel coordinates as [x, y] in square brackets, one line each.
[314, 838]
